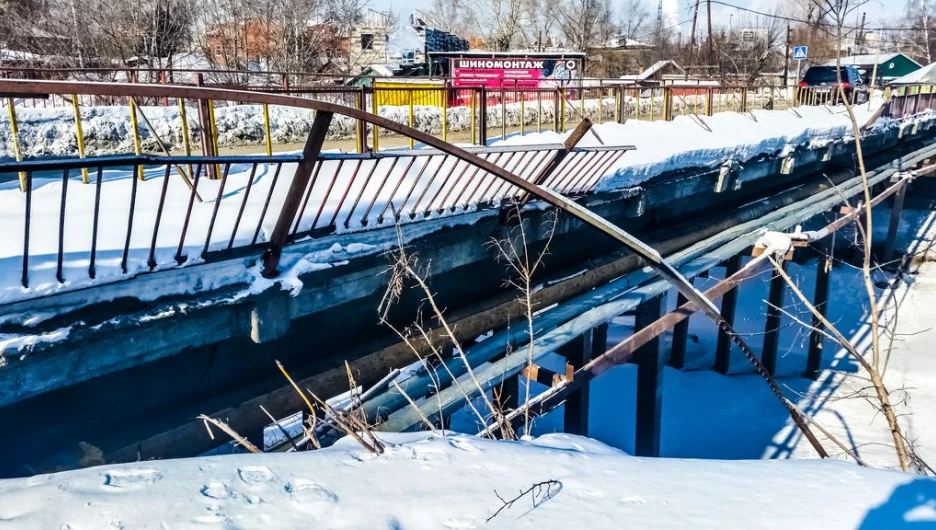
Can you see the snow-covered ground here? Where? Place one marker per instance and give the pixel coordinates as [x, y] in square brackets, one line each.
[661, 146]
[430, 482]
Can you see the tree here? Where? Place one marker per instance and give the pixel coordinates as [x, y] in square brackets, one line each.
[634, 15]
[919, 40]
[586, 22]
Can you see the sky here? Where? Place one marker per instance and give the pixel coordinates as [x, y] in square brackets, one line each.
[878, 10]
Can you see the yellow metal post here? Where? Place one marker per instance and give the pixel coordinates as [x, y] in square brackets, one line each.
[562, 111]
[186, 141]
[266, 130]
[411, 117]
[617, 105]
[637, 97]
[539, 112]
[522, 112]
[14, 130]
[79, 137]
[374, 108]
[582, 104]
[601, 96]
[653, 103]
[214, 134]
[445, 94]
[135, 128]
[472, 117]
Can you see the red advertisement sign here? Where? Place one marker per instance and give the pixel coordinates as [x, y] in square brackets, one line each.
[510, 72]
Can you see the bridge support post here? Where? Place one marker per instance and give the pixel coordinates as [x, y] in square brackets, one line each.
[680, 333]
[772, 327]
[729, 303]
[297, 188]
[270, 316]
[578, 353]
[894, 227]
[824, 251]
[649, 382]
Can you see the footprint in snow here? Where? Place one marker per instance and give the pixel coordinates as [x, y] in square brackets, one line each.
[465, 521]
[255, 475]
[216, 490]
[311, 496]
[129, 478]
[462, 444]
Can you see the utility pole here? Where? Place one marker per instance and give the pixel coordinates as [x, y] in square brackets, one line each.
[692, 37]
[711, 43]
[659, 29]
[859, 39]
[786, 57]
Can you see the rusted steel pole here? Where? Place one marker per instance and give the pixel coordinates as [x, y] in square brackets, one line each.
[297, 188]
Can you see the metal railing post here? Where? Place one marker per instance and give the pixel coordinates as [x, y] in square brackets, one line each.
[14, 132]
[310, 154]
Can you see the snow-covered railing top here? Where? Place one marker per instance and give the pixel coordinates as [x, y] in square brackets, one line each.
[205, 206]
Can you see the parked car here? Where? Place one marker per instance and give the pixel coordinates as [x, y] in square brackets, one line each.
[824, 81]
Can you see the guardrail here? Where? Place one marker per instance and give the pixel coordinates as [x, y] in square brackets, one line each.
[142, 212]
[909, 100]
[470, 115]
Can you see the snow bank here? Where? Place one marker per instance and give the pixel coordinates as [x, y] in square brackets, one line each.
[453, 482]
[691, 142]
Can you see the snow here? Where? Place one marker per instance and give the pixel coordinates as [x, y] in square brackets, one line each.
[684, 143]
[430, 481]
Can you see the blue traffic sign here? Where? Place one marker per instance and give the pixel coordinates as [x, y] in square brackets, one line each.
[800, 53]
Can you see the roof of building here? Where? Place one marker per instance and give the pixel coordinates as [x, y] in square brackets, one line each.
[927, 74]
[870, 59]
[653, 70]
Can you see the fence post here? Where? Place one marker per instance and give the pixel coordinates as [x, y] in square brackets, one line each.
[361, 100]
[267, 130]
[894, 226]
[204, 125]
[79, 137]
[772, 327]
[728, 304]
[824, 251]
[14, 131]
[375, 111]
[709, 94]
[482, 118]
[135, 131]
[680, 333]
[186, 142]
[445, 96]
[412, 111]
[649, 382]
[297, 187]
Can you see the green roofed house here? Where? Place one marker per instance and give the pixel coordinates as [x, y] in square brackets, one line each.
[890, 66]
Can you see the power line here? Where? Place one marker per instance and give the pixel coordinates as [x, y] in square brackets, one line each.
[811, 22]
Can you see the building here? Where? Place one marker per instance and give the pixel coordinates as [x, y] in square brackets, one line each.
[658, 73]
[378, 39]
[890, 66]
[254, 43]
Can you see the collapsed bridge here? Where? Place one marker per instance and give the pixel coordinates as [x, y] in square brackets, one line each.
[187, 309]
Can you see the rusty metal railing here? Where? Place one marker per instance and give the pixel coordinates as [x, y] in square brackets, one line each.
[177, 213]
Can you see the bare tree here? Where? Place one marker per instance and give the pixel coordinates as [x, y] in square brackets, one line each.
[634, 16]
[918, 40]
[586, 22]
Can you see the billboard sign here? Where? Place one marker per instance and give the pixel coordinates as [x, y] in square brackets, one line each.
[519, 72]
